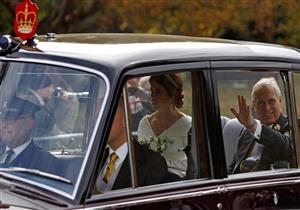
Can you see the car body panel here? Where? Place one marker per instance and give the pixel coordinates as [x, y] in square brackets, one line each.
[115, 58]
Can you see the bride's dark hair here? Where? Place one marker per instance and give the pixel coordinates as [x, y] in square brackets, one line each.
[172, 83]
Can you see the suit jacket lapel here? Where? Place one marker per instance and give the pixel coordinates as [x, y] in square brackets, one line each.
[25, 157]
[123, 179]
[283, 122]
[246, 144]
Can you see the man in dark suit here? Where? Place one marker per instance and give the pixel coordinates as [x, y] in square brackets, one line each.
[17, 119]
[151, 167]
[265, 142]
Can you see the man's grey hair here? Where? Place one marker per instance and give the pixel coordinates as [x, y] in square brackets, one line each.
[266, 82]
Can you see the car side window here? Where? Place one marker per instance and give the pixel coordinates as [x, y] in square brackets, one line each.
[153, 124]
[256, 133]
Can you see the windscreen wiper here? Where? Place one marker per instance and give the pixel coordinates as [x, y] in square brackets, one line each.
[36, 172]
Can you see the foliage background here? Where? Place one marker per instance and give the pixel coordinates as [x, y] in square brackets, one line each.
[274, 21]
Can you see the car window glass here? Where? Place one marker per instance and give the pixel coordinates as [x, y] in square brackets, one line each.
[249, 151]
[58, 115]
[296, 78]
[159, 120]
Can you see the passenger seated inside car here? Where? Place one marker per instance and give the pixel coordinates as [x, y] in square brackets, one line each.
[17, 120]
[265, 142]
[166, 130]
[151, 167]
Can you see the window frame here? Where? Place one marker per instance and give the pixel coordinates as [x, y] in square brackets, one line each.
[202, 67]
[180, 68]
[296, 68]
[285, 69]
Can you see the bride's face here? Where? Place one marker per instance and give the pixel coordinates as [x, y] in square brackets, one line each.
[159, 96]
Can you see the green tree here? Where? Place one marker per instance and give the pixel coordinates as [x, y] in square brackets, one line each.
[275, 21]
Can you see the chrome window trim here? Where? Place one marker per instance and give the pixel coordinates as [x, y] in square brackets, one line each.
[244, 64]
[263, 184]
[220, 187]
[79, 68]
[143, 201]
[276, 177]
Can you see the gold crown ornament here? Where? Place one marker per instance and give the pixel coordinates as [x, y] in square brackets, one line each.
[25, 20]
[25, 24]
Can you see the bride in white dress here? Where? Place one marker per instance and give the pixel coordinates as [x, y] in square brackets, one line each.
[166, 129]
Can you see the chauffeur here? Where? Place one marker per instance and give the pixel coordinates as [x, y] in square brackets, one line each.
[264, 143]
[16, 125]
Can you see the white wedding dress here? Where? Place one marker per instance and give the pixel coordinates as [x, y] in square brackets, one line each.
[176, 138]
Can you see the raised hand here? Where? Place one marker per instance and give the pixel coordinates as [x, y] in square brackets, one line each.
[244, 114]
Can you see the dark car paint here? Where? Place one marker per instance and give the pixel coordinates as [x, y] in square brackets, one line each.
[210, 194]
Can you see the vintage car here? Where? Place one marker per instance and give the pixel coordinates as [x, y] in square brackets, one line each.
[75, 83]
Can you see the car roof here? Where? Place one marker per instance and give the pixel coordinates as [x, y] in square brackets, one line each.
[123, 50]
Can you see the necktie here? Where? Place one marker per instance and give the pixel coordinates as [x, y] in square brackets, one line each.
[9, 154]
[110, 167]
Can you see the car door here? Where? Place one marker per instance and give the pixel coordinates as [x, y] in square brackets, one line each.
[199, 183]
[275, 187]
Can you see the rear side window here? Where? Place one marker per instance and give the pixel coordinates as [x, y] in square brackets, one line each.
[264, 147]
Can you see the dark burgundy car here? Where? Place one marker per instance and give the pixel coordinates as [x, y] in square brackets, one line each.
[77, 81]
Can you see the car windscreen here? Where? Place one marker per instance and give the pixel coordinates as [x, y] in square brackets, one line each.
[47, 116]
